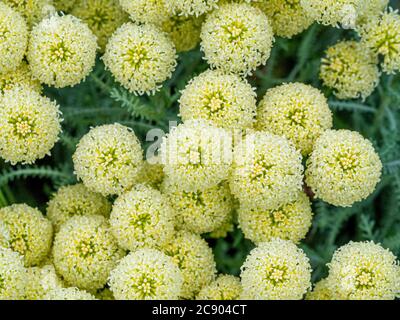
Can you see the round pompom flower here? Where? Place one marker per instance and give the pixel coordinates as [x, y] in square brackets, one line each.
[321, 291]
[343, 168]
[382, 36]
[225, 287]
[68, 294]
[146, 274]
[13, 38]
[142, 217]
[200, 211]
[226, 100]
[364, 271]
[85, 252]
[236, 38]
[195, 259]
[29, 232]
[184, 31]
[75, 200]
[40, 280]
[296, 111]
[29, 125]
[108, 159]
[350, 70]
[103, 17]
[20, 77]
[140, 57]
[276, 270]
[289, 222]
[267, 171]
[196, 155]
[32, 10]
[146, 11]
[13, 275]
[190, 7]
[61, 51]
[344, 13]
[287, 17]
[152, 173]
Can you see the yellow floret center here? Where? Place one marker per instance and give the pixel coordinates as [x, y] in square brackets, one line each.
[348, 160]
[364, 279]
[388, 45]
[60, 52]
[136, 56]
[278, 217]
[260, 169]
[86, 248]
[145, 286]
[236, 30]
[275, 274]
[23, 126]
[99, 18]
[141, 220]
[297, 116]
[20, 245]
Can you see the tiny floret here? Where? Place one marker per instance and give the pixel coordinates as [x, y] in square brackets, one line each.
[364, 271]
[75, 200]
[195, 259]
[85, 252]
[276, 270]
[108, 159]
[225, 287]
[146, 274]
[61, 51]
[289, 222]
[296, 111]
[196, 155]
[142, 217]
[29, 125]
[13, 38]
[225, 100]
[146, 11]
[140, 57]
[190, 7]
[237, 38]
[343, 168]
[29, 232]
[267, 171]
[350, 70]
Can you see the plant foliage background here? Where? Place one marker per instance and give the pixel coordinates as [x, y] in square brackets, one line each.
[99, 100]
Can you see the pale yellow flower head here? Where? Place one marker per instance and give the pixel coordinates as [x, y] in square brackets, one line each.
[75, 200]
[152, 172]
[61, 51]
[226, 100]
[29, 125]
[267, 171]
[296, 111]
[103, 17]
[343, 168]
[201, 211]
[108, 159]
[13, 275]
[287, 17]
[225, 287]
[196, 155]
[13, 39]
[195, 259]
[289, 222]
[146, 11]
[22, 77]
[190, 7]
[236, 38]
[72, 293]
[382, 36]
[32, 10]
[41, 280]
[364, 271]
[146, 274]
[350, 70]
[322, 290]
[29, 232]
[85, 252]
[276, 270]
[184, 31]
[140, 57]
[348, 14]
[142, 217]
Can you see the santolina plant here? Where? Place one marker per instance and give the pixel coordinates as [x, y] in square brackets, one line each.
[199, 149]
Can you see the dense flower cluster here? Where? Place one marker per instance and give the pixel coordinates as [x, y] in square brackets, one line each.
[250, 154]
[62, 51]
